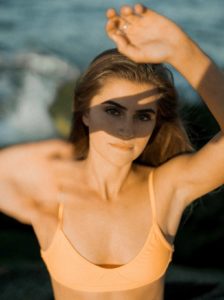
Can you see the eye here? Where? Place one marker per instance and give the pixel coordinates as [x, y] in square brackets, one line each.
[113, 111]
[144, 117]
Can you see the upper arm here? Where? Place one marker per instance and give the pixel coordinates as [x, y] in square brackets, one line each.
[193, 175]
[16, 205]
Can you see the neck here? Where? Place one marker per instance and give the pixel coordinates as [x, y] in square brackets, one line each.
[104, 177]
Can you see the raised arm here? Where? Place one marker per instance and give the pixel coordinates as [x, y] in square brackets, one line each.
[31, 176]
[145, 36]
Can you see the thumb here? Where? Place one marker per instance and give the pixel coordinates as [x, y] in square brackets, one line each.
[120, 41]
[115, 34]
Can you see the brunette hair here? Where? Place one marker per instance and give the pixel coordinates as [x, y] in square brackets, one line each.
[169, 137]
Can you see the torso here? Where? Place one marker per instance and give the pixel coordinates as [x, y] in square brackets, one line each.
[116, 227]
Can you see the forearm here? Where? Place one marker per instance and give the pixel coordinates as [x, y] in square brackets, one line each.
[204, 76]
[154, 38]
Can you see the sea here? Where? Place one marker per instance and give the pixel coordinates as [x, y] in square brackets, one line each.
[46, 43]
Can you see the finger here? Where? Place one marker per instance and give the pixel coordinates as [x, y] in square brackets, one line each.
[128, 14]
[113, 28]
[112, 25]
[116, 35]
[139, 9]
[116, 25]
[111, 13]
[126, 10]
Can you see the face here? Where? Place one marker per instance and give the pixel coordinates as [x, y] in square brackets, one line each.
[121, 119]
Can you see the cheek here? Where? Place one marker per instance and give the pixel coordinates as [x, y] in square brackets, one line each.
[144, 130]
[99, 140]
[98, 121]
[140, 143]
[143, 136]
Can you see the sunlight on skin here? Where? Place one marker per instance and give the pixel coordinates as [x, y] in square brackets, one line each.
[161, 43]
[121, 121]
[118, 133]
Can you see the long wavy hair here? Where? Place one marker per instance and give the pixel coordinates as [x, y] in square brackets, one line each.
[169, 137]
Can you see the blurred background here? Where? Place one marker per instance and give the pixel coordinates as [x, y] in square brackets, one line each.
[44, 46]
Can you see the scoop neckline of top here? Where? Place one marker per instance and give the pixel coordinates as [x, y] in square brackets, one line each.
[91, 264]
[85, 260]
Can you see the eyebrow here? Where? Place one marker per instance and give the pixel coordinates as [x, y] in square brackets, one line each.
[125, 108]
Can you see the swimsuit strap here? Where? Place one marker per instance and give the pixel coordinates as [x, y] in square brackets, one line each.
[60, 211]
[152, 196]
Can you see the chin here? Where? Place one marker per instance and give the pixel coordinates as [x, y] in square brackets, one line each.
[120, 160]
[116, 153]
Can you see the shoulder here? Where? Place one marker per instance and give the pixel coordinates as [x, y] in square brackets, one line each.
[44, 224]
[142, 171]
[166, 176]
[169, 197]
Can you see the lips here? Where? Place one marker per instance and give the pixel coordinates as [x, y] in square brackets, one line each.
[122, 146]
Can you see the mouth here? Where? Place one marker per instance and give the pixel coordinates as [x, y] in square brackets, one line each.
[122, 146]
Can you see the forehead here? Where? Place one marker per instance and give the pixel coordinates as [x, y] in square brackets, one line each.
[127, 93]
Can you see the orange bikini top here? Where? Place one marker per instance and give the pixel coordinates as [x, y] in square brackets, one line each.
[67, 267]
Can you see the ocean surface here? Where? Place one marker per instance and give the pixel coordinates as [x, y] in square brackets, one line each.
[45, 43]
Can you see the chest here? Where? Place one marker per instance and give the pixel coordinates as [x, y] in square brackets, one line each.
[108, 233]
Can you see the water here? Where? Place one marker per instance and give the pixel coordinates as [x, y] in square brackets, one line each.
[45, 43]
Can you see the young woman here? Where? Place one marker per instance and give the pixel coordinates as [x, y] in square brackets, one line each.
[106, 220]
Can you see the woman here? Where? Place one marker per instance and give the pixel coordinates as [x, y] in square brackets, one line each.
[108, 232]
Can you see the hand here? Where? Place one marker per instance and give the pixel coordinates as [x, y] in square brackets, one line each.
[32, 175]
[145, 36]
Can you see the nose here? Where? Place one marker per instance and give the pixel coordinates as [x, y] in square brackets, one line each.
[126, 131]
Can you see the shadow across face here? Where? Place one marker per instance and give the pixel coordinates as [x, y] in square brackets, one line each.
[124, 117]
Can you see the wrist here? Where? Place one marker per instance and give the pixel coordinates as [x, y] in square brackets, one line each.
[190, 61]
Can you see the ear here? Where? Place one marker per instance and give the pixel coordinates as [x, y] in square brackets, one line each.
[85, 118]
